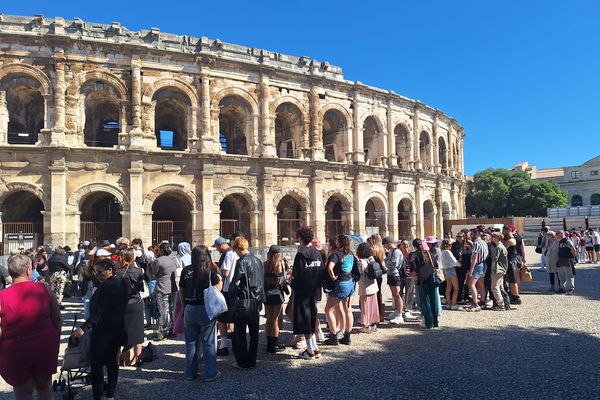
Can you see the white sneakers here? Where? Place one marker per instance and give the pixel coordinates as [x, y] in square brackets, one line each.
[397, 320]
[408, 315]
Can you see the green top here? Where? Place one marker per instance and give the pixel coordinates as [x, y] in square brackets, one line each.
[500, 259]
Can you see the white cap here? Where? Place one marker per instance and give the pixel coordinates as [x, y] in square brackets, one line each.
[102, 253]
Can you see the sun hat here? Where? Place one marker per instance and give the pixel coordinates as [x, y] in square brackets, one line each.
[431, 239]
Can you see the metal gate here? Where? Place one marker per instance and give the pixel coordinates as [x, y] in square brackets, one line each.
[228, 226]
[31, 232]
[428, 227]
[97, 231]
[404, 229]
[286, 231]
[173, 232]
[334, 227]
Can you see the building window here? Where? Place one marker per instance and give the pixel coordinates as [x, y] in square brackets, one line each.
[594, 173]
[576, 201]
[595, 199]
[575, 174]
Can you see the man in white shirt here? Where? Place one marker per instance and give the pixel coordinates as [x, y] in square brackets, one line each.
[596, 242]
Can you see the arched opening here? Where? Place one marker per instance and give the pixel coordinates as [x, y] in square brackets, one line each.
[335, 129]
[102, 114]
[235, 125]
[334, 220]
[288, 130]
[402, 146]
[404, 216]
[22, 221]
[171, 116]
[171, 219]
[446, 215]
[442, 154]
[595, 199]
[576, 201]
[25, 107]
[290, 217]
[375, 221]
[235, 216]
[372, 143]
[425, 151]
[428, 216]
[100, 218]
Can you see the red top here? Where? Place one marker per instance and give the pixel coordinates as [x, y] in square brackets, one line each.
[25, 312]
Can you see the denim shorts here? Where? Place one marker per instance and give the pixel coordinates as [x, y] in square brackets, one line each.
[343, 289]
[478, 271]
[450, 273]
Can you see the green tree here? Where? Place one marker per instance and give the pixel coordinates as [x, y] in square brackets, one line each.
[501, 193]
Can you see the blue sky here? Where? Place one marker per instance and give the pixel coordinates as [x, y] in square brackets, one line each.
[522, 77]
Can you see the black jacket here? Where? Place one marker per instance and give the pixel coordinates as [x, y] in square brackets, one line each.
[249, 270]
[58, 262]
[306, 273]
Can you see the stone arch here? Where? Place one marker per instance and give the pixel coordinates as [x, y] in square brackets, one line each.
[172, 108]
[30, 71]
[403, 139]
[288, 99]
[376, 213]
[235, 91]
[381, 200]
[335, 124]
[576, 201]
[373, 138]
[338, 107]
[297, 194]
[170, 83]
[235, 116]
[37, 191]
[76, 197]
[425, 149]
[595, 199]
[289, 125]
[98, 75]
[250, 196]
[442, 149]
[189, 196]
[343, 195]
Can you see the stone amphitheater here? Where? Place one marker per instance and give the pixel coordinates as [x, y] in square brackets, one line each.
[107, 132]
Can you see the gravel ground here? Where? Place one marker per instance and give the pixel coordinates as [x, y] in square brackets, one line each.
[548, 348]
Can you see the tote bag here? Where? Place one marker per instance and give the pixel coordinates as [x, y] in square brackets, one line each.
[214, 301]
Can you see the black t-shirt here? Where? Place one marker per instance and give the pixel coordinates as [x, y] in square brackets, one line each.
[306, 272]
[194, 295]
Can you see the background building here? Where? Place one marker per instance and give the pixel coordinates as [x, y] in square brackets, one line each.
[107, 132]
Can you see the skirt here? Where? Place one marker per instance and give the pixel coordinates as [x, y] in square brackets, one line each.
[134, 322]
[369, 310]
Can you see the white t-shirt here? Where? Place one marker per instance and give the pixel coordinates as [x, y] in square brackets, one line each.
[596, 237]
[229, 265]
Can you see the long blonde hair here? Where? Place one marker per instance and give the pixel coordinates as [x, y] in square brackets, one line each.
[375, 242]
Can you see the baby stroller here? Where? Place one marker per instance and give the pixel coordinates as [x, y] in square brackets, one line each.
[75, 367]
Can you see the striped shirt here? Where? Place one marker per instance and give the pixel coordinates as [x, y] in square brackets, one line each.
[481, 248]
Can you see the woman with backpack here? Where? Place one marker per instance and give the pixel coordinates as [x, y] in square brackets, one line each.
[370, 271]
[339, 270]
[275, 286]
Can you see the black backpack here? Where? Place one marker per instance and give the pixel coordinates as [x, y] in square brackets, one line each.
[374, 270]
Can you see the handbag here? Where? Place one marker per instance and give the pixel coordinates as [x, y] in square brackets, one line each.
[214, 301]
[526, 275]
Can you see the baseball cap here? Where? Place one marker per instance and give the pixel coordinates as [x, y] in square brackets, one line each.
[219, 241]
[274, 249]
[388, 240]
[102, 253]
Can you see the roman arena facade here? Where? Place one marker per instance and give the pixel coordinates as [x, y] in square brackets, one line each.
[107, 132]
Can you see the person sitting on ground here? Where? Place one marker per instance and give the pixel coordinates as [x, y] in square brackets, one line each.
[30, 335]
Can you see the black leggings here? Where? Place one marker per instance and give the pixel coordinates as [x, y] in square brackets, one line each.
[104, 353]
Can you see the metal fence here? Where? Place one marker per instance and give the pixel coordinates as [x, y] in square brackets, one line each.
[286, 231]
[34, 228]
[172, 231]
[97, 231]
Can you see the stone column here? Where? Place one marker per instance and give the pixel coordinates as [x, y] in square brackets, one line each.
[358, 151]
[209, 215]
[391, 142]
[136, 199]
[436, 169]
[58, 132]
[318, 206]
[418, 164]
[3, 119]
[267, 224]
[209, 143]
[267, 138]
[255, 237]
[136, 135]
[359, 210]
[392, 196]
[418, 211]
[315, 132]
[58, 200]
[438, 208]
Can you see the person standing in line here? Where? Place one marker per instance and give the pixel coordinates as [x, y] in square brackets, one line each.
[512, 274]
[449, 264]
[407, 283]
[499, 268]
[544, 247]
[107, 319]
[566, 256]
[376, 243]
[199, 329]
[247, 289]
[275, 286]
[422, 264]
[306, 284]
[163, 270]
[227, 262]
[367, 289]
[58, 267]
[476, 272]
[589, 245]
[395, 264]
[596, 243]
[30, 335]
[552, 261]
[461, 249]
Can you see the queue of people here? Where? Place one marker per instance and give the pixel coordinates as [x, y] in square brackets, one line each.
[131, 288]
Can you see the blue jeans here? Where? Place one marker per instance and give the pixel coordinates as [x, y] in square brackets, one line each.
[197, 327]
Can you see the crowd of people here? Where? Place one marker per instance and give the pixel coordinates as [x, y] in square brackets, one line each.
[128, 289]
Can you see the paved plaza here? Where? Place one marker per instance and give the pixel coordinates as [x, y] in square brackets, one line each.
[548, 348]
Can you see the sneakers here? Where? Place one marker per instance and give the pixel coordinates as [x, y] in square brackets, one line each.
[397, 320]
[473, 309]
[223, 352]
[408, 315]
[332, 340]
[454, 307]
[346, 339]
[306, 355]
[393, 315]
[214, 378]
[340, 334]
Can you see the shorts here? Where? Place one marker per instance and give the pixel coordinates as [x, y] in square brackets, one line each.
[343, 289]
[589, 248]
[478, 271]
[597, 247]
[393, 280]
[224, 318]
[450, 273]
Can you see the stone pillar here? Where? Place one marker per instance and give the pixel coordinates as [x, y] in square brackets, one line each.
[418, 211]
[392, 196]
[255, 237]
[318, 206]
[136, 135]
[359, 211]
[193, 129]
[437, 168]
[438, 208]
[315, 126]
[418, 164]
[209, 215]
[209, 143]
[268, 222]
[3, 119]
[58, 200]
[136, 199]
[358, 151]
[267, 143]
[391, 142]
[58, 132]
